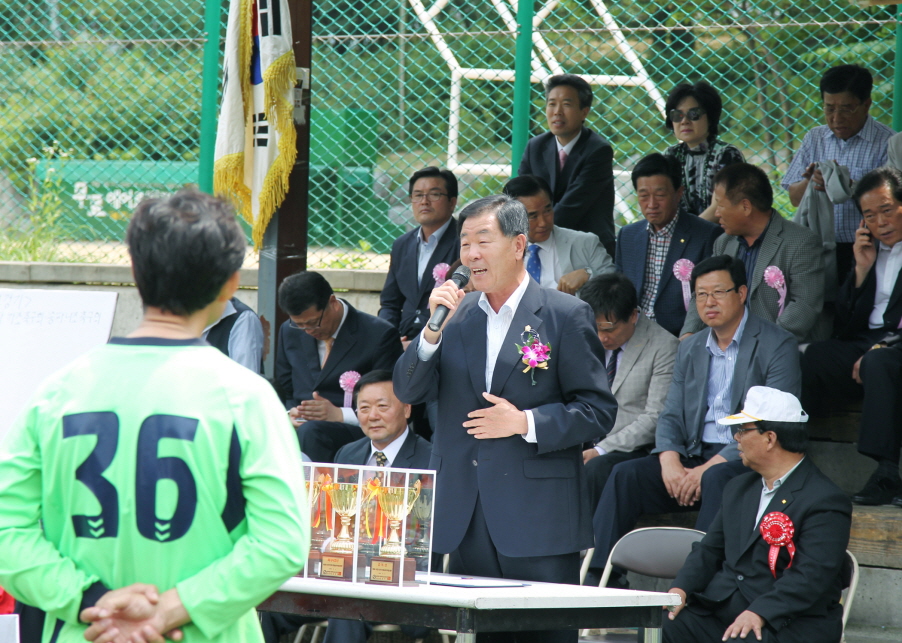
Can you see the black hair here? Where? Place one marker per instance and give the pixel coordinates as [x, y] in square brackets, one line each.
[792, 436]
[583, 89]
[657, 164]
[302, 291]
[184, 248]
[612, 295]
[733, 265]
[886, 175]
[746, 181]
[511, 214]
[708, 99]
[373, 377]
[432, 172]
[527, 185]
[854, 79]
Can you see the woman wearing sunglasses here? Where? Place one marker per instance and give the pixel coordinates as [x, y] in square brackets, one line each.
[693, 115]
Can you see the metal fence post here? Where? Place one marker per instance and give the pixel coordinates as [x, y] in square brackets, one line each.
[209, 93]
[522, 71]
[897, 84]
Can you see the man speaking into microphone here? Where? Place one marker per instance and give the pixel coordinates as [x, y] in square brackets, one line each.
[518, 372]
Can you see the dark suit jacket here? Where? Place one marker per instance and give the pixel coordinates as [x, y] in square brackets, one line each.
[854, 306]
[364, 343]
[583, 193]
[414, 453]
[733, 555]
[798, 252]
[533, 494]
[693, 239]
[768, 356]
[403, 303]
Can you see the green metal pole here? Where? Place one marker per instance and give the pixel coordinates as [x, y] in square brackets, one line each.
[897, 85]
[210, 90]
[522, 72]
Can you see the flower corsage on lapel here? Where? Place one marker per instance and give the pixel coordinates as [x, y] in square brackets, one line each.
[534, 353]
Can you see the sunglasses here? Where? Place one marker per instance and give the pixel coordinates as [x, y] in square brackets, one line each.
[676, 116]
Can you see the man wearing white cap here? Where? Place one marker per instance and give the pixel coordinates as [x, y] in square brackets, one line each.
[771, 564]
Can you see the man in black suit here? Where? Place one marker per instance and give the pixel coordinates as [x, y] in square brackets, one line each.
[510, 499]
[647, 250]
[388, 443]
[404, 302]
[575, 161]
[694, 458]
[868, 314]
[323, 339]
[733, 589]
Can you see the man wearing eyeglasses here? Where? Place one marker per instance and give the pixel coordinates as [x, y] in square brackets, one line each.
[325, 338]
[575, 161]
[852, 138]
[731, 585]
[765, 241]
[404, 302]
[694, 457]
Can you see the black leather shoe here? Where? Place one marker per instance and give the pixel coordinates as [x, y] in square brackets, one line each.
[879, 491]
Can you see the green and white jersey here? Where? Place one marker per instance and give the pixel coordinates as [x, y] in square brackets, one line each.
[154, 461]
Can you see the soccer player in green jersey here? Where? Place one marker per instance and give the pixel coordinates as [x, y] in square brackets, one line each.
[156, 459]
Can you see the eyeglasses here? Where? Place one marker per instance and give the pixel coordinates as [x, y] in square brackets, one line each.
[842, 110]
[717, 294]
[740, 431]
[416, 197]
[607, 327]
[319, 322]
[676, 116]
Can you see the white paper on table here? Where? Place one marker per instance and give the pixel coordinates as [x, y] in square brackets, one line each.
[470, 581]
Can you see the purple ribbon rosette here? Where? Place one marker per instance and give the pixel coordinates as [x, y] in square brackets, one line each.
[347, 382]
[440, 273]
[682, 270]
[774, 278]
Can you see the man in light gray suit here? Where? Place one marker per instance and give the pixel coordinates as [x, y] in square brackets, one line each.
[639, 358]
[757, 234]
[556, 257]
[694, 457]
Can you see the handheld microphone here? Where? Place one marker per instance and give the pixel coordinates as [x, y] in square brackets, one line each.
[461, 277]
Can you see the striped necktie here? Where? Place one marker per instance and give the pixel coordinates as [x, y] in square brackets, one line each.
[612, 366]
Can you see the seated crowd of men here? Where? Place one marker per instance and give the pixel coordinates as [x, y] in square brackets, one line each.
[778, 318]
[682, 348]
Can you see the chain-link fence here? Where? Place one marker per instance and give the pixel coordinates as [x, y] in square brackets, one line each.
[397, 85]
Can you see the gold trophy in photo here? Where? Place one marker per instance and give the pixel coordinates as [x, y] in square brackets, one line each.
[337, 561]
[317, 533]
[391, 564]
[422, 511]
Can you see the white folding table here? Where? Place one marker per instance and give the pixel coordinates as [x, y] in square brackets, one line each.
[467, 610]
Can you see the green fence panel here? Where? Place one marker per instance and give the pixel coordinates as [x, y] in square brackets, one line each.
[396, 85]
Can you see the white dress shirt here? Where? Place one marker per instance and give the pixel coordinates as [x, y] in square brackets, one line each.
[551, 267]
[497, 325]
[768, 494]
[426, 248]
[347, 413]
[245, 339]
[390, 451]
[569, 146]
[888, 264]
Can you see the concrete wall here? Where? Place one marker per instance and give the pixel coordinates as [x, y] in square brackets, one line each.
[360, 287]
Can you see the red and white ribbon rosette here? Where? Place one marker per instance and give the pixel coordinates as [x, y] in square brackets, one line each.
[777, 530]
[440, 273]
[682, 270]
[347, 382]
[774, 278]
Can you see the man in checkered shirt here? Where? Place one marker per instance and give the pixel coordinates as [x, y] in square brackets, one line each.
[852, 138]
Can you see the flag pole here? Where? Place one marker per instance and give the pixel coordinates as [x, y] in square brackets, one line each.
[209, 91]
